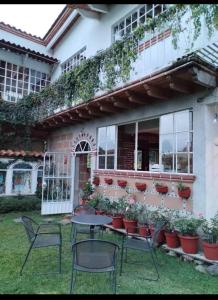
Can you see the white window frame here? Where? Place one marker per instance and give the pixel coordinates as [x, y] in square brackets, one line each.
[74, 60]
[129, 15]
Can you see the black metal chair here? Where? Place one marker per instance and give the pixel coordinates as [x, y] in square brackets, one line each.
[41, 235]
[146, 244]
[94, 256]
[79, 228]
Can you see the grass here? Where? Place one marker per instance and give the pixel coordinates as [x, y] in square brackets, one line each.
[176, 276]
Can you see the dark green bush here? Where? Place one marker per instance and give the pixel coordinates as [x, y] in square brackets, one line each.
[19, 203]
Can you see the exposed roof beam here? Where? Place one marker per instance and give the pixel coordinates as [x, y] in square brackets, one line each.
[102, 8]
[179, 85]
[109, 108]
[132, 98]
[155, 92]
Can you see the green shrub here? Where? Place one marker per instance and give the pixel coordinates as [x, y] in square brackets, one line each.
[19, 203]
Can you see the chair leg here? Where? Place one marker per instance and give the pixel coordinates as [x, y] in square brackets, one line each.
[121, 260]
[155, 265]
[72, 282]
[157, 260]
[28, 253]
[60, 248]
[114, 283]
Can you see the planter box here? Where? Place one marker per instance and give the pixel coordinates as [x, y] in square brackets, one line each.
[184, 193]
[130, 225]
[122, 183]
[210, 250]
[108, 181]
[141, 186]
[172, 239]
[117, 222]
[96, 181]
[144, 231]
[189, 243]
[161, 189]
[161, 237]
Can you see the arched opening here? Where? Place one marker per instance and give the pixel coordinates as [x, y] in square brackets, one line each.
[82, 168]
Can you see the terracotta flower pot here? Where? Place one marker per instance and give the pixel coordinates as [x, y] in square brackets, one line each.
[96, 181]
[130, 225]
[122, 183]
[140, 186]
[189, 243]
[117, 221]
[210, 250]
[144, 231]
[108, 181]
[172, 239]
[161, 189]
[184, 193]
[99, 212]
[161, 237]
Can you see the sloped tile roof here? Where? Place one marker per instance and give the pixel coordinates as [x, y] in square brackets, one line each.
[11, 153]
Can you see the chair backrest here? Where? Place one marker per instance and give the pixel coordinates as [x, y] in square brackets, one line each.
[95, 254]
[29, 228]
[84, 210]
[157, 228]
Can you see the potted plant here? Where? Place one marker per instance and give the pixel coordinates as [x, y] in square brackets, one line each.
[94, 200]
[131, 215]
[86, 192]
[103, 205]
[157, 216]
[183, 191]
[210, 238]
[171, 235]
[188, 235]
[161, 188]
[117, 211]
[143, 225]
[108, 181]
[96, 180]
[122, 183]
[141, 186]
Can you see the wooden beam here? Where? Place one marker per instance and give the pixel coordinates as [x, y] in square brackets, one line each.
[156, 92]
[83, 115]
[102, 8]
[109, 108]
[94, 112]
[88, 14]
[133, 98]
[179, 85]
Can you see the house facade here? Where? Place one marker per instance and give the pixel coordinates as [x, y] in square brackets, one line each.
[157, 125]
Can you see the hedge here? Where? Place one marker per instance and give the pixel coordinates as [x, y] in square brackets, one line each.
[19, 203]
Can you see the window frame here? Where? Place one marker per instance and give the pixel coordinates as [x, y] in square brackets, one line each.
[70, 61]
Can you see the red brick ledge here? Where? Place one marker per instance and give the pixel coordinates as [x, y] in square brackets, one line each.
[147, 175]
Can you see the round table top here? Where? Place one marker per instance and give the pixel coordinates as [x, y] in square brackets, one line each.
[91, 219]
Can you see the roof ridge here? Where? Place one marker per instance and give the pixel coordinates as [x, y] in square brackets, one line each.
[20, 30]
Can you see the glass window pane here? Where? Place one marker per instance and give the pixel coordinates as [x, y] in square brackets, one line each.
[126, 147]
[128, 21]
[134, 16]
[142, 11]
[21, 182]
[190, 120]
[191, 163]
[166, 141]
[110, 162]
[101, 162]
[166, 124]
[2, 181]
[167, 162]
[110, 139]
[102, 140]
[182, 163]
[182, 121]
[182, 142]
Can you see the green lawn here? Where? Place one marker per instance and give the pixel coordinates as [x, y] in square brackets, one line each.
[176, 276]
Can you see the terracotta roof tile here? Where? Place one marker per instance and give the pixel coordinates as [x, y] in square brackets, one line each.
[21, 153]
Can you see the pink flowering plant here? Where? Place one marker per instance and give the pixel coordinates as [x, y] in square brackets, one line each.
[132, 207]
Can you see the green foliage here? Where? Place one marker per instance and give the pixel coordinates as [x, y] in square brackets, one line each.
[118, 207]
[95, 199]
[188, 226]
[87, 191]
[19, 203]
[210, 229]
[181, 186]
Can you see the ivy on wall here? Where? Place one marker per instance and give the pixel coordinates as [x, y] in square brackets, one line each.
[105, 69]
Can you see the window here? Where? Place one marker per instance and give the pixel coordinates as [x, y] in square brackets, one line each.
[22, 178]
[106, 147]
[74, 60]
[2, 181]
[17, 82]
[128, 24]
[161, 144]
[176, 142]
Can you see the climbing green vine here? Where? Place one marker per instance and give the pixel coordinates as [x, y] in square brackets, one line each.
[107, 68]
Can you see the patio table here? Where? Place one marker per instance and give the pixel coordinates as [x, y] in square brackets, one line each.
[92, 221]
